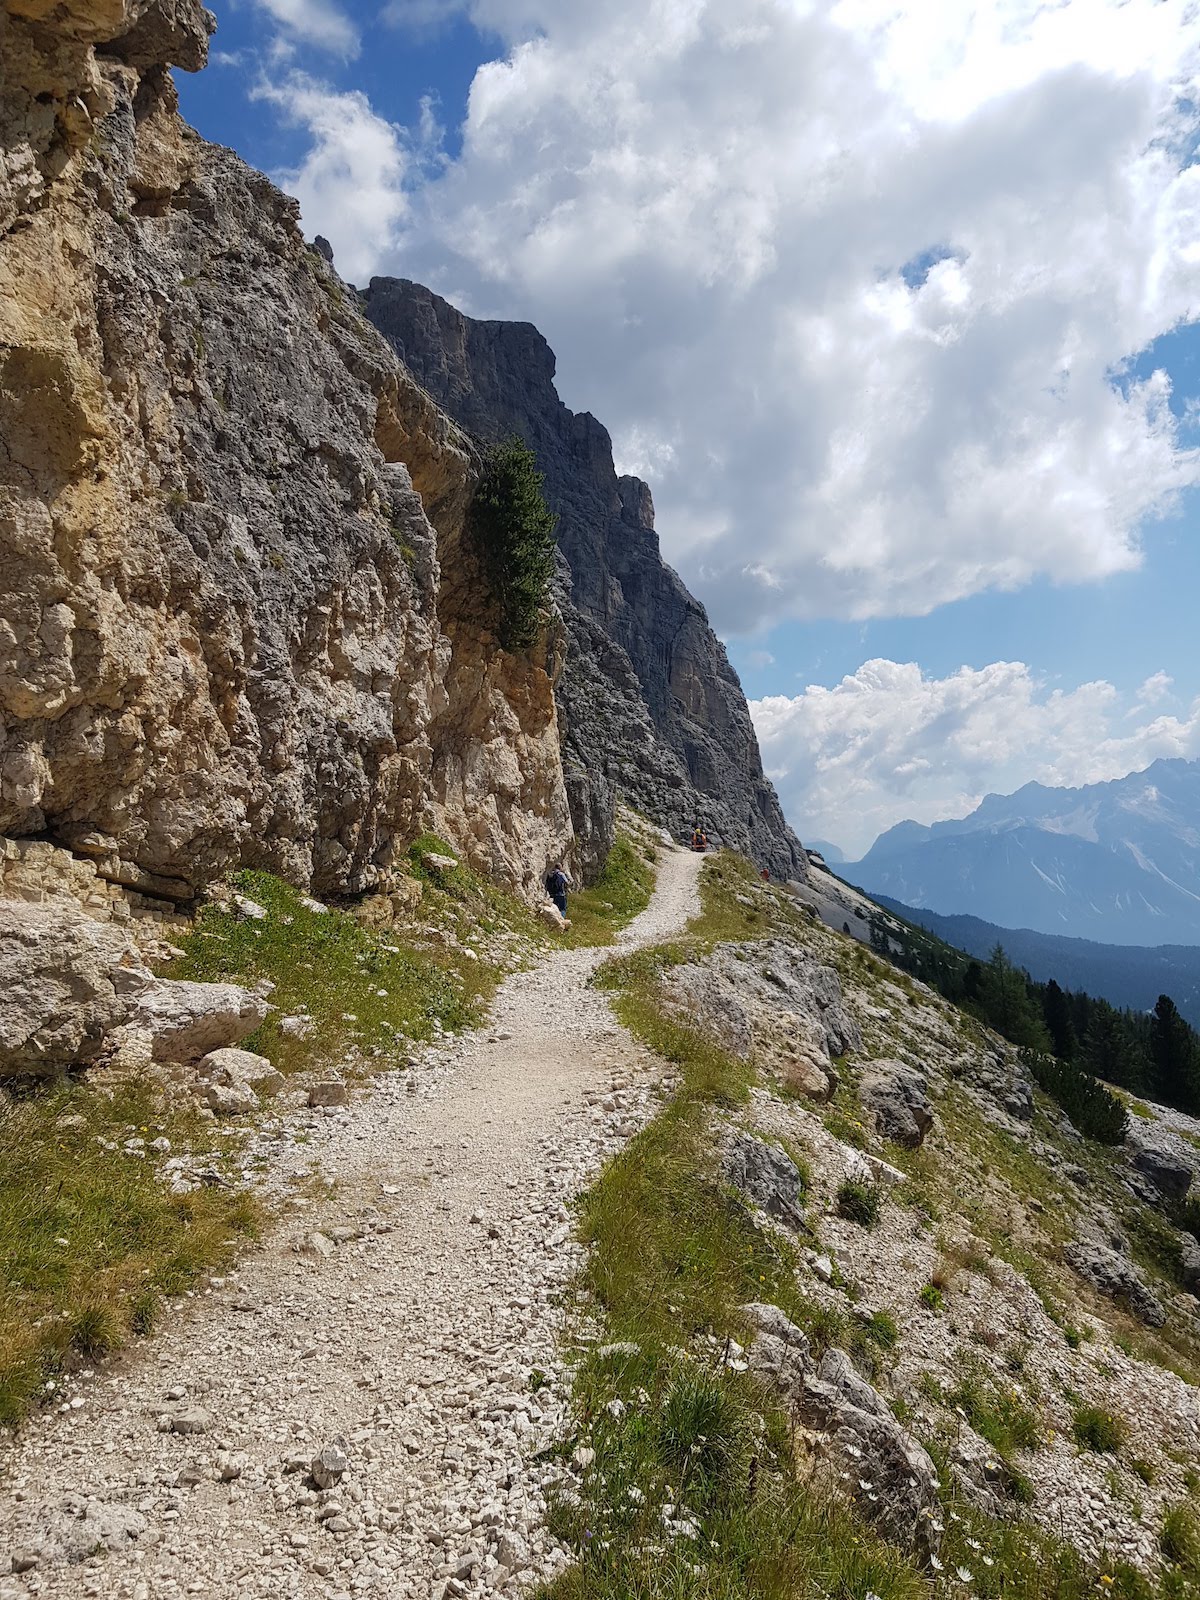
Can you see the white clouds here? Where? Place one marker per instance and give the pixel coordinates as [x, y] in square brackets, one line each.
[889, 743]
[350, 185]
[321, 23]
[707, 208]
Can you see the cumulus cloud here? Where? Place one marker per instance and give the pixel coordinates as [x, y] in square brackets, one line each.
[854, 282]
[321, 23]
[887, 742]
[351, 182]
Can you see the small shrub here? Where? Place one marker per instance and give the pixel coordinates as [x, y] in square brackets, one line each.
[1180, 1538]
[1187, 1216]
[932, 1298]
[514, 533]
[881, 1329]
[1095, 1111]
[1144, 1470]
[859, 1202]
[1098, 1430]
[996, 1414]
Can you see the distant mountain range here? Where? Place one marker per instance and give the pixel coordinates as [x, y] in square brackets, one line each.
[827, 851]
[1125, 975]
[1115, 862]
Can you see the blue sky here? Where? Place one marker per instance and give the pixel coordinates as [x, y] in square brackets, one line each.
[895, 307]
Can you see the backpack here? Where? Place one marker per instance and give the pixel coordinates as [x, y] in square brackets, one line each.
[555, 884]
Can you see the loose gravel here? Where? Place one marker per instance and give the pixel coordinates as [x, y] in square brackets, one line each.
[360, 1409]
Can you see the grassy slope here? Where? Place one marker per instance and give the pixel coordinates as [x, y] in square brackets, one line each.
[65, 1174]
[673, 1254]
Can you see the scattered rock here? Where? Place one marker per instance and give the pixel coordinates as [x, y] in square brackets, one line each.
[1168, 1174]
[69, 981]
[333, 1092]
[765, 1174]
[233, 1067]
[330, 1464]
[895, 1096]
[1115, 1276]
[230, 1100]
[193, 1419]
[438, 863]
[186, 1021]
[551, 915]
[318, 1244]
[1189, 1263]
[890, 1477]
[77, 1528]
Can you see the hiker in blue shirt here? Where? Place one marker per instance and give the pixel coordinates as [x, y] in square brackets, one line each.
[557, 884]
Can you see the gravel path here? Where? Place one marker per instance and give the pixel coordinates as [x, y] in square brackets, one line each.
[411, 1317]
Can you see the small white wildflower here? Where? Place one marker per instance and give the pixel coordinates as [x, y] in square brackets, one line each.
[963, 1574]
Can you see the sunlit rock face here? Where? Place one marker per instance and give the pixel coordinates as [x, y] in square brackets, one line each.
[238, 621]
[647, 699]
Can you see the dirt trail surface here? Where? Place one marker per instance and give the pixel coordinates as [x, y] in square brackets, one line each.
[407, 1327]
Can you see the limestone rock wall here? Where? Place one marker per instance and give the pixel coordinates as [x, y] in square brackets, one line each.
[236, 618]
[648, 699]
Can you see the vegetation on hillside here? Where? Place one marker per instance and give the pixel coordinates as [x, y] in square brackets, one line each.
[668, 1430]
[514, 533]
[92, 1241]
[1156, 1054]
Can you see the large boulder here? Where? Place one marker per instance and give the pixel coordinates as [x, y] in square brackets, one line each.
[1166, 1172]
[765, 1174]
[888, 1475]
[769, 999]
[74, 986]
[1115, 1276]
[68, 981]
[186, 1021]
[895, 1096]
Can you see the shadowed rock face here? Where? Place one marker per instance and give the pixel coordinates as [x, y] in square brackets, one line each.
[238, 625]
[647, 698]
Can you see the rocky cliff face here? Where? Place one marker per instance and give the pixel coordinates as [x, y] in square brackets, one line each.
[648, 699]
[236, 624]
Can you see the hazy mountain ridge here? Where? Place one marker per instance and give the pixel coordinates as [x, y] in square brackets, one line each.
[1112, 862]
[1125, 975]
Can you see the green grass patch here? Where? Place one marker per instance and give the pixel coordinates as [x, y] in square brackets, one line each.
[360, 986]
[1179, 1538]
[1098, 1430]
[91, 1241]
[997, 1414]
[859, 1202]
[622, 890]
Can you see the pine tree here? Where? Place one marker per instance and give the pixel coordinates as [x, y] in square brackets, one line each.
[1056, 1010]
[1004, 999]
[1108, 1050]
[1172, 1054]
[514, 533]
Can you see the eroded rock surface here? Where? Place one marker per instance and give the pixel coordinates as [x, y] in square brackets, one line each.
[238, 621]
[890, 1477]
[769, 998]
[648, 698]
[74, 986]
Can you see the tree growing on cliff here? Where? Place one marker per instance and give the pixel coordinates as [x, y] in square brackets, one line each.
[513, 531]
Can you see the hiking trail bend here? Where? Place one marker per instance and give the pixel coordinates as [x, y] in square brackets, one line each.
[418, 1341]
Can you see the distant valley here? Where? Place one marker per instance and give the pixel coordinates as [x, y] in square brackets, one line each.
[1112, 862]
[1125, 975]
